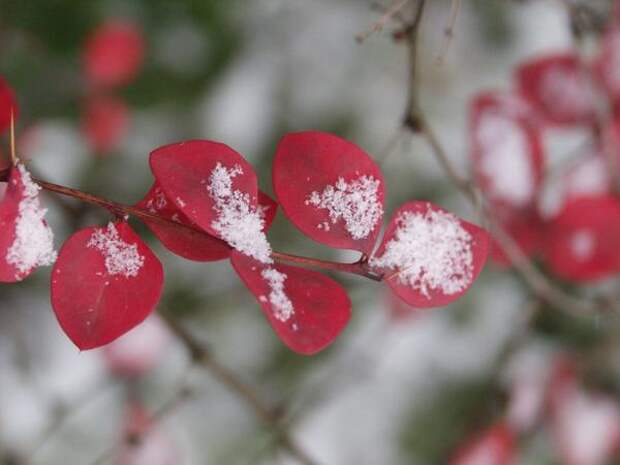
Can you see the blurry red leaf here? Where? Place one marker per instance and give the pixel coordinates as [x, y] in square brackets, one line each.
[113, 54]
[8, 105]
[139, 351]
[495, 446]
[330, 189]
[105, 282]
[430, 257]
[269, 208]
[506, 150]
[582, 241]
[558, 88]
[105, 121]
[527, 230]
[26, 241]
[306, 309]
[216, 189]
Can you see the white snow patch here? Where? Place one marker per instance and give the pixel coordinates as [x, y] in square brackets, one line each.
[158, 202]
[355, 202]
[34, 240]
[582, 244]
[429, 251]
[120, 257]
[505, 159]
[282, 305]
[238, 222]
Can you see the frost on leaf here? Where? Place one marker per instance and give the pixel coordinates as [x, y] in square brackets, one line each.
[238, 220]
[429, 256]
[330, 189]
[104, 283]
[306, 309]
[120, 257]
[25, 237]
[356, 203]
[282, 305]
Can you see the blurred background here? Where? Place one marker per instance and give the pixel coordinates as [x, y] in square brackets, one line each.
[399, 386]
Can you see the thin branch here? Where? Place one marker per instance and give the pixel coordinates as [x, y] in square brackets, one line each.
[448, 31]
[359, 267]
[269, 416]
[378, 25]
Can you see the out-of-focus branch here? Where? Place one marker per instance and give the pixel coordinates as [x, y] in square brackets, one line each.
[378, 25]
[448, 32]
[203, 357]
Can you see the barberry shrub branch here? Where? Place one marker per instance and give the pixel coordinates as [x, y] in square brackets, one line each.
[205, 206]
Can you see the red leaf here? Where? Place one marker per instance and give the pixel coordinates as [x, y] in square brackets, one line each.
[330, 189]
[269, 209]
[506, 150]
[216, 189]
[105, 282]
[495, 446]
[527, 230]
[26, 241]
[8, 104]
[582, 242]
[192, 245]
[113, 54]
[557, 87]
[306, 309]
[430, 257]
[105, 121]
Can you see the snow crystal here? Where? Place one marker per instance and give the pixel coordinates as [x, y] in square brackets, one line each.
[429, 251]
[158, 202]
[505, 159]
[282, 305]
[356, 202]
[582, 244]
[34, 240]
[120, 257]
[238, 222]
[565, 91]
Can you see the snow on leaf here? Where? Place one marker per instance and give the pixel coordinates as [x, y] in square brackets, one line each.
[330, 189]
[306, 309]
[26, 241]
[428, 256]
[218, 192]
[104, 283]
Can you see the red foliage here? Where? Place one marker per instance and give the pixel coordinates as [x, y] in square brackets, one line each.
[306, 309]
[113, 54]
[494, 446]
[105, 282]
[8, 105]
[105, 121]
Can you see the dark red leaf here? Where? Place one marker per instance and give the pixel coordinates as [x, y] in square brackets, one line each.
[113, 54]
[8, 104]
[306, 309]
[269, 209]
[495, 446]
[26, 241]
[216, 189]
[105, 122]
[557, 87]
[428, 256]
[506, 151]
[582, 242]
[105, 282]
[330, 189]
[192, 245]
[527, 230]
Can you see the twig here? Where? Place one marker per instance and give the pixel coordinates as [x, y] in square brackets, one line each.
[448, 32]
[359, 267]
[270, 417]
[382, 21]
